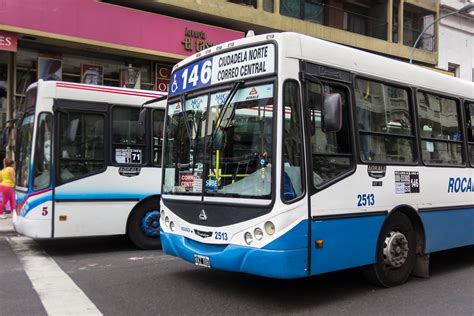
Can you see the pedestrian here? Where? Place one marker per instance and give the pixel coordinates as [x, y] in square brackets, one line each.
[6, 186]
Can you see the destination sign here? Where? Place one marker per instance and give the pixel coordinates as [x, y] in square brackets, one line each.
[238, 64]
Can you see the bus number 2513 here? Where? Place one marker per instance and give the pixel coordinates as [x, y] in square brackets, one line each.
[365, 199]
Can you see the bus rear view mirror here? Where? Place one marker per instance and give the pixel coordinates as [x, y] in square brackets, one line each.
[332, 112]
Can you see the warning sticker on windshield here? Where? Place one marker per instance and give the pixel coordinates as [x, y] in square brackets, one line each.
[190, 182]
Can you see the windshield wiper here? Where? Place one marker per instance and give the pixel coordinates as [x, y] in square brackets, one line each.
[225, 107]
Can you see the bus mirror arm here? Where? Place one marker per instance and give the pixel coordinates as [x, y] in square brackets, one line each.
[332, 112]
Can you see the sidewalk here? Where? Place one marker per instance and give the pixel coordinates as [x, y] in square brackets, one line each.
[6, 225]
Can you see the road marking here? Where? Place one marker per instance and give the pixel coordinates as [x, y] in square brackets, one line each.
[57, 291]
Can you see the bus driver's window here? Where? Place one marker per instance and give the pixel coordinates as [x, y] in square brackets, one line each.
[330, 151]
[42, 158]
[292, 143]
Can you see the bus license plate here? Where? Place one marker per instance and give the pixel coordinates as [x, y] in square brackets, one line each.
[202, 261]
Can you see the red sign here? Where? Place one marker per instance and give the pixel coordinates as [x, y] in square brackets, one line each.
[162, 77]
[8, 41]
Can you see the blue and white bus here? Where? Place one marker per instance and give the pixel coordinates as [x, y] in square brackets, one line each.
[287, 156]
[88, 162]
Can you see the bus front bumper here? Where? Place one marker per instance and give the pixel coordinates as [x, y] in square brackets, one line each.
[272, 263]
[34, 228]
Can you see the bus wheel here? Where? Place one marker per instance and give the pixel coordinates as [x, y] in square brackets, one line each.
[143, 227]
[395, 256]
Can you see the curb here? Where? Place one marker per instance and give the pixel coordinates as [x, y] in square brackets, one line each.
[6, 226]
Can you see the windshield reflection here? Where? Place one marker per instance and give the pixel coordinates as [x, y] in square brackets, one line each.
[223, 151]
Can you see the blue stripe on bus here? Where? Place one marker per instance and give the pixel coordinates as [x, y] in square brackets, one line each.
[268, 261]
[447, 229]
[347, 242]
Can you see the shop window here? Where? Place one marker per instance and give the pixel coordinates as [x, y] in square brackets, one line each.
[415, 20]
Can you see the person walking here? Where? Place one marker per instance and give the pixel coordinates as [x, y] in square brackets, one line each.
[6, 186]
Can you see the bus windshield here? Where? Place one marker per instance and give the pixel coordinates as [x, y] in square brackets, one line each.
[220, 144]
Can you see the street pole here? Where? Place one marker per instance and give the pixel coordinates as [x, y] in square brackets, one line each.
[465, 9]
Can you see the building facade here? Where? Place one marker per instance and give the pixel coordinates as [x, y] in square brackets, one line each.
[92, 42]
[456, 38]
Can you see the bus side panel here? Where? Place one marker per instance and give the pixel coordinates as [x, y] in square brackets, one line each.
[347, 242]
[100, 204]
[448, 229]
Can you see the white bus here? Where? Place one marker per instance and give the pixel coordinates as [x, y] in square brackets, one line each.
[288, 156]
[88, 163]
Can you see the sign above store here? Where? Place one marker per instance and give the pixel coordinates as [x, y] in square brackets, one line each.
[8, 41]
[195, 41]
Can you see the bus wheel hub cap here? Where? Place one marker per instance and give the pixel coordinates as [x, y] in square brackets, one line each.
[395, 249]
[151, 223]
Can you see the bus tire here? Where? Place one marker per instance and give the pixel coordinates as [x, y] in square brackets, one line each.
[143, 227]
[395, 253]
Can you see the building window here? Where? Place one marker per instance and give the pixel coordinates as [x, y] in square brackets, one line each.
[308, 10]
[415, 20]
[268, 6]
[249, 3]
[454, 69]
[365, 17]
[395, 17]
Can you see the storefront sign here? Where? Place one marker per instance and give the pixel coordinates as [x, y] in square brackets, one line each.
[8, 41]
[162, 77]
[195, 41]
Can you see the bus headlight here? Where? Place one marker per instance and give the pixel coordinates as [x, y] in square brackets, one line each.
[269, 228]
[258, 233]
[167, 221]
[172, 227]
[248, 238]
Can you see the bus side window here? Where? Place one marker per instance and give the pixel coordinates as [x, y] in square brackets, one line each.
[330, 151]
[128, 139]
[440, 129]
[292, 143]
[81, 144]
[470, 130]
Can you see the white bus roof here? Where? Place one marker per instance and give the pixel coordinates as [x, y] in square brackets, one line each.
[94, 93]
[298, 46]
